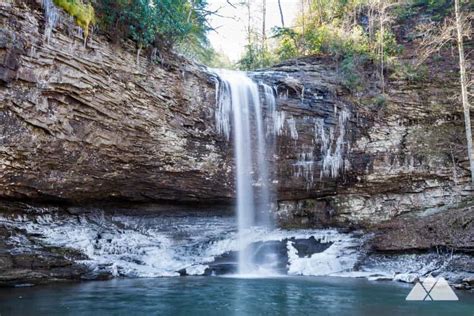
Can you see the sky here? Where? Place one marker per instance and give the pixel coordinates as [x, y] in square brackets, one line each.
[231, 23]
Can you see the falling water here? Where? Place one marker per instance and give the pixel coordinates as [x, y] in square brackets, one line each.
[239, 106]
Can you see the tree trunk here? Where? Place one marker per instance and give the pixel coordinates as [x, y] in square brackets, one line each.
[370, 17]
[303, 18]
[264, 16]
[320, 9]
[190, 11]
[281, 14]
[249, 27]
[465, 101]
[381, 43]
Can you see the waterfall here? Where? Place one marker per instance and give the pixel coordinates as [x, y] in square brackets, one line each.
[240, 114]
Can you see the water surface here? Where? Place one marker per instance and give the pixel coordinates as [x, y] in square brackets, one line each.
[227, 296]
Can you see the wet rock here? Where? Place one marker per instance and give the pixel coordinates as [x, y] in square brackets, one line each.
[272, 255]
[224, 264]
[455, 267]
[448, 231]
[6, 261]
[33, 263]
[469, 281]
[465, 283]
[100, 273]
[221, 268]
[310, 246]
[41, 274]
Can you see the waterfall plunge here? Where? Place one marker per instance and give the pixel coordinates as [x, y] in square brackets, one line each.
[239, 106]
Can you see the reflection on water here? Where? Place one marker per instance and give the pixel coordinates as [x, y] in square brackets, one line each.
[226, 296]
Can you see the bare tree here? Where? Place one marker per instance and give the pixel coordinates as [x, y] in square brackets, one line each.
[385, 20]
[464, 83]
[321, 12]
[433, 39]
[249, 26]
[231, 4]
[303, 20]
[382, 17]
[264, 20]
[436, 37]
[281, 14]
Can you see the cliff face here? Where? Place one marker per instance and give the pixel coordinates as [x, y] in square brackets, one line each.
[87, 123]
[404, 154]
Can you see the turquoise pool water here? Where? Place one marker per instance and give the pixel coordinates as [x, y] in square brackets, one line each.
[227, 296]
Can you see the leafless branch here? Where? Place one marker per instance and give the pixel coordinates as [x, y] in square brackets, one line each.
[231, 4]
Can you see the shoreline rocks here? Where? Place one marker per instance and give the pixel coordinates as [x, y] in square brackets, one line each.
[45, 246]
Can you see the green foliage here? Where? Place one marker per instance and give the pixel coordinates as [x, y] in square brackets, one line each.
[437, 9]
[380, 101]
[350, 30]
[156, 22]
[82, 13]
[330, 28]
[340, 42]
[390, 45]
[407, 71]
[288, 47]
[218, 60]
[403, 12]
[145, 24]
[255, 57]
[351, 71]
[204, 54]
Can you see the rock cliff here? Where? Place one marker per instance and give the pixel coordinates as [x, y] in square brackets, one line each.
[87, 124]
[401, 155]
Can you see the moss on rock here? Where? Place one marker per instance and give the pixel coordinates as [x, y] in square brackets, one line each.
[82, 13]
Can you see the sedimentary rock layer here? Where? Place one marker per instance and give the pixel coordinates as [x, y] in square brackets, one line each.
[88, 123]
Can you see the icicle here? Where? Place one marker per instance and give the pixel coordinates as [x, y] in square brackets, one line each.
[51, 14]
[333, 160]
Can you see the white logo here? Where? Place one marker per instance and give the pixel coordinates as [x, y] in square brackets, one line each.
[432, 289]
